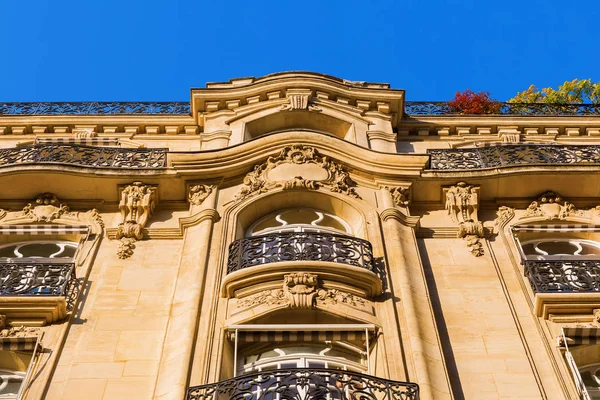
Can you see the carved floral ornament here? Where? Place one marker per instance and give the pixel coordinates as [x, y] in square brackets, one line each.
[462, 203]
[297, 166]
[301, 290]
[137, 205]
[47, 208]
[551, 206]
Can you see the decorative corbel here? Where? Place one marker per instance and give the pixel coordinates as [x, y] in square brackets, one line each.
[400, 195]
[462, 203]
[137, 206]
[198, 193]
[299, 99]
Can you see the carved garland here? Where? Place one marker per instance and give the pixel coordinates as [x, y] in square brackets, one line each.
[338, 179]
[301, 290]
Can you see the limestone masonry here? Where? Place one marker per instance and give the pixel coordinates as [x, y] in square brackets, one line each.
[299, 236]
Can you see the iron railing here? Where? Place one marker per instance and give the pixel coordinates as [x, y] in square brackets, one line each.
[299, 246]
[525, 109]
[36, 279]
[97, 108]
[512, 155]
[563, 275]
[85, 156]
[305, 384]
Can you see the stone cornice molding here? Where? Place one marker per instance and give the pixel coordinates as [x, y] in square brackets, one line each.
[411, 221]
[233, 160]
[238, 92]
[175, 233]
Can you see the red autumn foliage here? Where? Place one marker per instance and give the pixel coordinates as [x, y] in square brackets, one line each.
[469, 102]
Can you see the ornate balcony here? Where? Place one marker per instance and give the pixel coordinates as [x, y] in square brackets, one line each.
[97, 108]
[36, 293]
[33, 279]
[525, 109]
[262, 262]
[299, 246]
[305, 384]
[563, 276]
[85, 156]
[512, 155]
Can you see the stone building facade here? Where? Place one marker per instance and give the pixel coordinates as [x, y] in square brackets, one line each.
[299, 236]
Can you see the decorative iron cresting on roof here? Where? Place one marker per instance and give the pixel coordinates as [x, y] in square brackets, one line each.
[512, 155]
[85, 156]
[97, 108]
[525, 109]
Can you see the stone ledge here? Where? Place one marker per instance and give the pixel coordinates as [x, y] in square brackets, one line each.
[565, 303]
[33, 311]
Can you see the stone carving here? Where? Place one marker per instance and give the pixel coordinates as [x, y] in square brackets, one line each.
[337, 178]
[137, 206]
[301, 290]
[268, 297]
[334, 296]
[46, 208]
[19, 332]
[400, 196]
[199, 193]
[462, 203]
[84, 133]
[551, 206]
[299, 101]
[503, 214]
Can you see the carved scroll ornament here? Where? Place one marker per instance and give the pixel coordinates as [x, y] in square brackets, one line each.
[335, 178]
[301, 290]
[199, 193]
[400, 196]
[137, 206]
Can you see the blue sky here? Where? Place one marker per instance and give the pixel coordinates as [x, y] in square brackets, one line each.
[80, 50]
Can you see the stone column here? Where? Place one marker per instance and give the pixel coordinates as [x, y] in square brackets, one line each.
[175, 361]
[408, 281]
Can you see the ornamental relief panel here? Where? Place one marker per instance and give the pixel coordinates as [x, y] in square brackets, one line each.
[296, 167]
[302, 290]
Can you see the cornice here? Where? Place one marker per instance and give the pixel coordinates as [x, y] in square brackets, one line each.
[208, 214]
[240, 159]
[394, 213]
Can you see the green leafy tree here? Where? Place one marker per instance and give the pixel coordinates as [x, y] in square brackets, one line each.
[577, 91]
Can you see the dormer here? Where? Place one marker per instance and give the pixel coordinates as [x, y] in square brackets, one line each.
[243, 109]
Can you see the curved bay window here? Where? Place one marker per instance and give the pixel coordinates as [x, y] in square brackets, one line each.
[301, 234]
[36, 267]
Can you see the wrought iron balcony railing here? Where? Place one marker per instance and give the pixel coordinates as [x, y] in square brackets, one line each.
[525, 109]
[36, 279]
[299, 246]
[85, 156]
[512, 155]
[563, 275]
[305, 384]
[97, 108]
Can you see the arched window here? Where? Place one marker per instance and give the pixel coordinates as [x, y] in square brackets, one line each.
[559, 248]
[299, 220]
[331, 355]
[59, 251]
[10, 383]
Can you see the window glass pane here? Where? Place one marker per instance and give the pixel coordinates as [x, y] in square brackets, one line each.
[589, 249]
[555, 248]
[8, 252]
